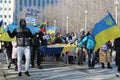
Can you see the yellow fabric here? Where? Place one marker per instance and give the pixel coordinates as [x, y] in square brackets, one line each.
[5, 37]
[106, 35]
[66, 47]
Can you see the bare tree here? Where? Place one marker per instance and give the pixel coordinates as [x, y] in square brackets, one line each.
[77, 10]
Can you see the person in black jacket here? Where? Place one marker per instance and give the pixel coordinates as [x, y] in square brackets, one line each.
[41, 36]
[35, 51]
[22, 34]
[117, 57]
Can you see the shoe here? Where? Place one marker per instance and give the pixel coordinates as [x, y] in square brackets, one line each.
[16, 68]
[109, 67]
[103, 67]
[90, 67]
[19, 74]
[9, 66]
[117, 74]
[32, 66]
[27, 73]
[39, 67]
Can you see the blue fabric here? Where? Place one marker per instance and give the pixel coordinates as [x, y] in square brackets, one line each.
[11, 27]
[105, 23]
[50, 50]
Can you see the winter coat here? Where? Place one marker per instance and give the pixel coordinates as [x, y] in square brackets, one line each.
[90, 43]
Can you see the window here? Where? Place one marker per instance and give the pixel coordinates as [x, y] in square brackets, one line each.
[0, 16]
[38, 2]
[20, 2]
[5, 1]
[20, 8]
[5, 9]
[9, 9]
[5, 16]
[34, 2]
[0, 1]
[0, 8]
[25, 2]
[9, 1]
[29, 2]
[9, 16]
[43, 3]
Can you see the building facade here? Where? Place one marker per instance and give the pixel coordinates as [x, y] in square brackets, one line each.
[10, 9]
[7, 10]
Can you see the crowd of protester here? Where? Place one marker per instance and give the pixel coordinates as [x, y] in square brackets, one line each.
[30, 49]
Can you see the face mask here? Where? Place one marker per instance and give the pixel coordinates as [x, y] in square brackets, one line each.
[23, 25]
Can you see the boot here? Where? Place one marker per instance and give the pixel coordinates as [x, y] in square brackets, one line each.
[27, 73]
[16, 68]
[103, 66]
[19, 74]
[109, 66]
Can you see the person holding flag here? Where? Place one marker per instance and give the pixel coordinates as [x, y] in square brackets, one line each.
[101, 30]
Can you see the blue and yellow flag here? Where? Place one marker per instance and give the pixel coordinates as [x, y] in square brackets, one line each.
[51, 30]
[1, 23]
[105, 30]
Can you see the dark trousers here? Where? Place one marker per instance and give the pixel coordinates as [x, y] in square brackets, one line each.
[8, 53]
[117, 60]
[35, 52]
[91, 58]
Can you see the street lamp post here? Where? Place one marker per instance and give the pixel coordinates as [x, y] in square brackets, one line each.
[67, 20]
[54, 22]
[116, 11]
[86, 20]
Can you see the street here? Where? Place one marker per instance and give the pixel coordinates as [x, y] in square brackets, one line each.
[59, 71]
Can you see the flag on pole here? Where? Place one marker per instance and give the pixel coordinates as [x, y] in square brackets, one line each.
[105, 30]
[43, 27]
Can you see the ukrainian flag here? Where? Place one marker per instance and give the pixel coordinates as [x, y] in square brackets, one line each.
[105, 30]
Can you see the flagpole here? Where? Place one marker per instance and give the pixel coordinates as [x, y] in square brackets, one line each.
[67, 18]
[86, 20]
[54, 22]
[116, 11]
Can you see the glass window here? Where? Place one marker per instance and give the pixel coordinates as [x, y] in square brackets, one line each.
[25, 2]
[48, 1]
[5, 16]
[20, 8]
[9, 1]
[52, 1]
[9, 9]
[38, 2]
[34, 2]
[0, 1]
[21, 2]
[0, 16]
[43, 3]
[5, 9]
[9, 16]
[0, 8]
[5, 1]
[29, 2]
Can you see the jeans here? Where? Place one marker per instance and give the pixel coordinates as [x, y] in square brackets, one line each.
[26, 51]
[8, 56]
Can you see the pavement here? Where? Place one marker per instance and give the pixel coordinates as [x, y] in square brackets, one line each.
[59, 71]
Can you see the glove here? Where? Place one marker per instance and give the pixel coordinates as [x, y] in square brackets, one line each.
[71, 43]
